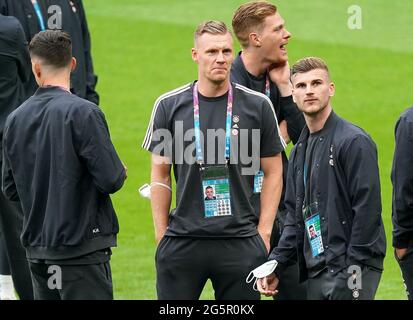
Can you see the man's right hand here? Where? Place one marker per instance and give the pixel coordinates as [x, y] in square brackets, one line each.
[268, 285]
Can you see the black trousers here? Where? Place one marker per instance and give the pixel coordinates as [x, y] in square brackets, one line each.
[183, 265]
[335, 286]
[11, 224]
[406, 266]
[77, 282]
[289, 287]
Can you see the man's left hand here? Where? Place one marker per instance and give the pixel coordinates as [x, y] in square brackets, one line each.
[280, 75]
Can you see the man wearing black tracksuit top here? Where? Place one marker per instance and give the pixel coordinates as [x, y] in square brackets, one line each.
[15, 71]
[218, 239]
[73, 19]
[333, 199]
[59, 161]
[267, 71]
[402, 214]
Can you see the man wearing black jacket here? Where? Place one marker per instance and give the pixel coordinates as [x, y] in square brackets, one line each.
[73, 21]
[262, 65]
[402, 198]
[58, 159]
[333, 184]
[15, 71]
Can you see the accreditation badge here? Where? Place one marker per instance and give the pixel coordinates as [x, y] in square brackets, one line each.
[258, 179]
[216, 193]
[313, 228]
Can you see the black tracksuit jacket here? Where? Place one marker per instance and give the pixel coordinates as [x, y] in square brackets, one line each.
[58, 159]
[349, 200]
[83, 78]
[402, 179]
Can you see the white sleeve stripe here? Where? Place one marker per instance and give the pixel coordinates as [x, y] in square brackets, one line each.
[247, 90]
[149, 132]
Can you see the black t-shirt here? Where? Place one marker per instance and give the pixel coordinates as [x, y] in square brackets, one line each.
[284, 108]
[174, 112]
[318, 263]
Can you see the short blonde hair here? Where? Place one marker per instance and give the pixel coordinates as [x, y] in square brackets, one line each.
[212, 27]
[250, 16]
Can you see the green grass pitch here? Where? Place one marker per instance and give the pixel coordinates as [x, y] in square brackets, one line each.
[141, 49]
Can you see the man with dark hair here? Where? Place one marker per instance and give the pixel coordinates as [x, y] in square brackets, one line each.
[218, 240]
[39, 15]
[333, 183]
[402, 213]
[312, 232]
[15, 71]
[58, 159]
[209, 193]
[262, 65]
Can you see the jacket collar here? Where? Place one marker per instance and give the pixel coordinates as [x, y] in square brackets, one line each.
[328, 126]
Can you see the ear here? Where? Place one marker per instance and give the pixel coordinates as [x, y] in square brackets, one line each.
[254, 39]
[36, 69]
[194, 54]
[73, 64]
[332, 89]
[292, 93]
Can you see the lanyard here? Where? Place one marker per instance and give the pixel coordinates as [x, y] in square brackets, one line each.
[267, 85]
[267, 91]
[39, 14]
[197, 127]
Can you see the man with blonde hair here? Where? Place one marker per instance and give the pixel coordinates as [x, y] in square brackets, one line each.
[218, 239]
[262, 65]
[333, 184]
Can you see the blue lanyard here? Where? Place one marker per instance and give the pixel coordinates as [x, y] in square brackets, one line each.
[39, 15]
[197, 127]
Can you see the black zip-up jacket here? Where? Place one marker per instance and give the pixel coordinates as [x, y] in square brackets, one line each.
[15, 66]
[83, 78]
[58, 159]
[348, 195]
[402, 179]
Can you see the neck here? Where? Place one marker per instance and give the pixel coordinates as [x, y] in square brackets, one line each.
[253, 62]
[317, 121]
[62, 81]
[213, 89]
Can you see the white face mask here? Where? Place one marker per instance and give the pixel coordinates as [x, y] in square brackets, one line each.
[261, 272]
[145, 190]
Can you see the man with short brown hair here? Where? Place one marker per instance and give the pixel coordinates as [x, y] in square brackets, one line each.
[333, 185]
[59, 161]
[262, 65]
